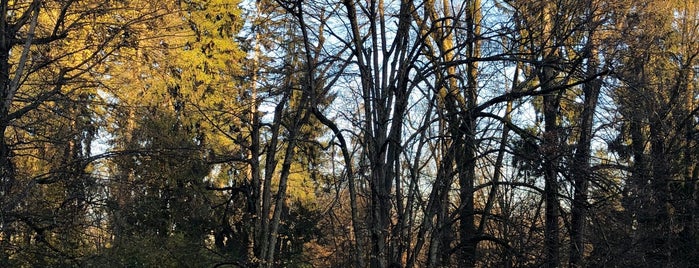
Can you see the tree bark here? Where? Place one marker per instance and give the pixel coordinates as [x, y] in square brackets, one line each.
[466, 165]
[581, 163]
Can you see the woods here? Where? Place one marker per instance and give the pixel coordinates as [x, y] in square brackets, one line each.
[289, 133]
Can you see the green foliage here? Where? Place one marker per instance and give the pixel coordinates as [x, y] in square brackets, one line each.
[140, 133]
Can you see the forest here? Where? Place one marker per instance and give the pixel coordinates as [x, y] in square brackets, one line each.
[352, 133]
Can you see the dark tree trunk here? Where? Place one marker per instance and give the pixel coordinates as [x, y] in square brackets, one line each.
[550, 147]
[7, 172]
[581, 167]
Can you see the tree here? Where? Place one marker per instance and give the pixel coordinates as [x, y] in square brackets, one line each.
[660, 176]
[172, 89]
[359, 133]
[385, 88]
[50, 52]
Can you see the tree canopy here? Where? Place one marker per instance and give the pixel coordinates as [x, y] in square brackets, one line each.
[289, 133]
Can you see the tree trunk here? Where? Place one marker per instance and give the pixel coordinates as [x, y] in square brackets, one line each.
[657, 250]
[548, 79]
[466, 164]
[7, 172]
[581, 165]
[550, 147]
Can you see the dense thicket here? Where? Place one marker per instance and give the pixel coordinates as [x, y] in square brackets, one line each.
[202, 133]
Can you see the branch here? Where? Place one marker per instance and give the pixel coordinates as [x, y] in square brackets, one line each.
[14, 84]
[38, 101]
[518, 94]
